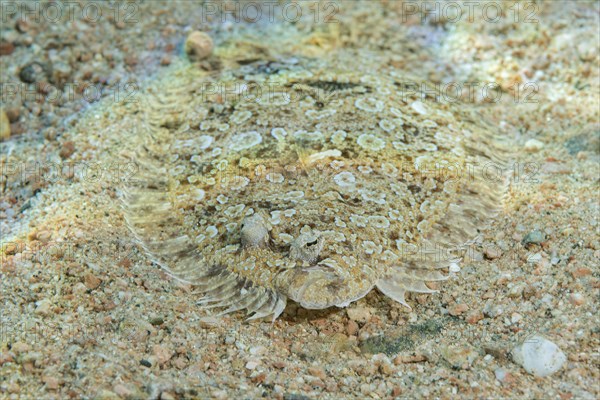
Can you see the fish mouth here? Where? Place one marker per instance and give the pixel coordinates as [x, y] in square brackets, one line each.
[318, 286]
[314, 287]
[315, 274]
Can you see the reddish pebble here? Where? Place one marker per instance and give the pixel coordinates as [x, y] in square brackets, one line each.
[67, 150]
[576, 299]
[279, 364]
[352, 328]
[50, 381]
[6, 48]
[91, 282]
[458, 309]
[166, 60]
[579, 272]
[474, 316]
[318, 372]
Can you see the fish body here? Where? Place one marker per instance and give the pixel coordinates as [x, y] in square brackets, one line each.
[284, 181]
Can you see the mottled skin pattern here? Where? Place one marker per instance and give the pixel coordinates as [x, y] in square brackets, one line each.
[312, 185]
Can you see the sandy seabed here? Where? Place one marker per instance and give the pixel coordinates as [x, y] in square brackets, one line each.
[85, 314]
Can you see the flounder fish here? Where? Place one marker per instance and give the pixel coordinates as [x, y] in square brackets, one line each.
[290, 179]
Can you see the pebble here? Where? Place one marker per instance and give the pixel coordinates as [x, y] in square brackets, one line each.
[67, 150]
[122, 390]
[587, 51]
[167, 396]
[258, 350]
[533, 146]
[474, 316]
[454, 267]
[533, 237]
[251, 365]
[539, 356]
[491, 309]
[4, 125]
[13, 114]
[534, 259]
[43, 307]
[220, 394]
[106, 394]
[576, 299]
[146, 363]
[580, 272]
[10, 249]
[6, 48]
[366, 389]
[386, 369]
[20, 347]
[419, 107]
[515, 317]
[529, 291]
[340, 343]
[352, 328]
[409, 359]
[459, 357]
[131, 60]
[34, 72]
[503, 375]
[279, 364]
[79, 288]
[6, 357]
[91, 281]
[458, 309]
[166, 60]
[209, 322]
[359, 314]
[50, 381]
[229, 339]
[516, 291]
[162, 354]
[198, 45]
[43, 236]
[22, 25]
[498, 351]
[317, 372]
[492, 253]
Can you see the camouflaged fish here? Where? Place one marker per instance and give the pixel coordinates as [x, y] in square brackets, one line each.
[291, 179]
